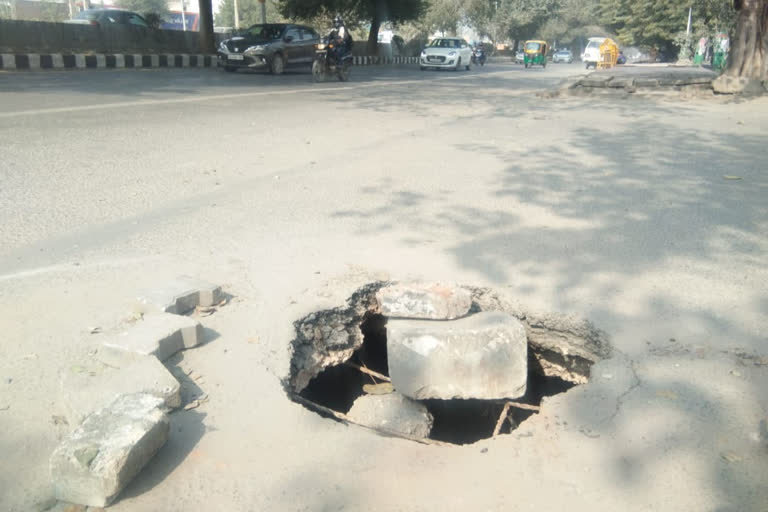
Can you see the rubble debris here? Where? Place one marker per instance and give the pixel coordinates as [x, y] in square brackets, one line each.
[160, 335]
[180, 296]
[108, 450]
[426, 301]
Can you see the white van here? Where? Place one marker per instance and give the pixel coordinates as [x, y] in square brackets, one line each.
[591, 54]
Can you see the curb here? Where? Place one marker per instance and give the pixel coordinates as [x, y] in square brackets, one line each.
[117, 61]
[106, 61]
[367, 61]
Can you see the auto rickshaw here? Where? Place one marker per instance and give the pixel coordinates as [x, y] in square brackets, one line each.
[535, 53]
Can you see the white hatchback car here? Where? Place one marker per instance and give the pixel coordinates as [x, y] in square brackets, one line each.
[446, 52]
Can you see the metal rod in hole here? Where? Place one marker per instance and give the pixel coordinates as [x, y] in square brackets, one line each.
[527, 407]
[500, 421]
[368, 372]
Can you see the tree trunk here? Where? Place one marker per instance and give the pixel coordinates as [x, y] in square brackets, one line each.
[379, 15]
[373, 38]
[207, 44]
[747, 67]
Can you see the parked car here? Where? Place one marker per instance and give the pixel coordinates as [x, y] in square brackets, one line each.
[520, 56]
[274, 47]
[98, 17]
[562, 56]
[446, 52]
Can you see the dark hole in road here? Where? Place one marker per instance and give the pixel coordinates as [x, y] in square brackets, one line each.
[455, 421]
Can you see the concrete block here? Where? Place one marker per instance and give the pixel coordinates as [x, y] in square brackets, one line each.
[647, 82]
[392, 413]
[108, 450]
[622, 83]
[180, 296]
[9, 60]
[160, 335]
[85, 390]
[595, 80]
[433, 301]
[482, 356]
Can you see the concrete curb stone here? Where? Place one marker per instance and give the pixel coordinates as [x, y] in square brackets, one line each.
[101, 457]
[28, 61]
[160, 335]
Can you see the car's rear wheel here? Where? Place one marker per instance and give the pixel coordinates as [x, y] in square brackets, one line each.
[423, 68]
[278, 65]
[230, 69]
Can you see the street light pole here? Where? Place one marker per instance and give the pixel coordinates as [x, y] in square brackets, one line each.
[263, 11]
[237, 15]
[183, 17]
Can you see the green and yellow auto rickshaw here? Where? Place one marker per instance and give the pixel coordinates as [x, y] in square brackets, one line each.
[535, 53]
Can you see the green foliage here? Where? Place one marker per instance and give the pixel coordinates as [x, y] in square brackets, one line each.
[443, 16]
[510, 19]
[249, 12]
[662, 24]
[356, 11]
[6, 10]
[145, 7]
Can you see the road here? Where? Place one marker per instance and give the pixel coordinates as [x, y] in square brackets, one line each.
[621, 209]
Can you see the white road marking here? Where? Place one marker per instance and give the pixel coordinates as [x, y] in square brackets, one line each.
[214, 97]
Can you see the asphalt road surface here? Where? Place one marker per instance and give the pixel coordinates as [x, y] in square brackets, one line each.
[646, 214]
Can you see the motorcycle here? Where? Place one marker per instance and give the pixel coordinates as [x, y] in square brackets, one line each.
[478, 56]
[326, 61]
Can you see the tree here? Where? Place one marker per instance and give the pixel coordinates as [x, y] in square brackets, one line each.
[662, 24]
[249, 13]
[374, 12]
[145, 7]
[443, 16]
[510, 19]
[646, 22]
[747, 60]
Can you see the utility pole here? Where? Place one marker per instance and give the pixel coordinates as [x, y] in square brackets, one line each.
[263, 10]
[183, 17]
[237, 15]
[690, 15]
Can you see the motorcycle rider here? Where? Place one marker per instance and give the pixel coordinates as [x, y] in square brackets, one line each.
[341, 39]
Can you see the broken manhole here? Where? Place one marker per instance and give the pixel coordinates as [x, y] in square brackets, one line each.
[437, 363]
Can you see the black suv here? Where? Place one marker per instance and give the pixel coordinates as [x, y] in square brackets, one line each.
[273, 47]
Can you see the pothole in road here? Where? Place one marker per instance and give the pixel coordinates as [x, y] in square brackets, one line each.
[340, 370]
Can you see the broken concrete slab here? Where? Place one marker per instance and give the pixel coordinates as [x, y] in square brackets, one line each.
[621, 83]
[329, 337]
[435, 301]
[85, 390]
[160, 335]
[101, 456]
[392, 413]
[595, 80]
[180, 296]
[482, 356]
[563, 346]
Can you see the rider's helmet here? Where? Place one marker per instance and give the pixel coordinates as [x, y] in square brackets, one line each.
[338, 22]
